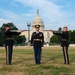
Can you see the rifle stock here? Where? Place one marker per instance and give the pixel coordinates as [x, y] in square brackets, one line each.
[17, 30]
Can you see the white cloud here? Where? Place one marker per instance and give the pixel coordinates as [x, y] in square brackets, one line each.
[2, 21]
[50, 12]
[14, 4]
[20, 20]
[9, 14]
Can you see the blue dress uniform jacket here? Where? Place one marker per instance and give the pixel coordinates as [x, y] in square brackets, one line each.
[64, 44]
[9, 45]
[37, 41]
[64, 37]
[9, 37]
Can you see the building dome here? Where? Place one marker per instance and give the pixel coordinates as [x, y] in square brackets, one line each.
[38, 21]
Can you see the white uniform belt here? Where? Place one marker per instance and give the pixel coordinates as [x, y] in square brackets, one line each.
[64, 40]
[9, 38]
[37, 39]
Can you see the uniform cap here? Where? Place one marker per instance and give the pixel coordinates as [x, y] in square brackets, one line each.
[37, 26]
[7, 26]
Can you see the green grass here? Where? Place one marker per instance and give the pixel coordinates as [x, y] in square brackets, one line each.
[51, 63]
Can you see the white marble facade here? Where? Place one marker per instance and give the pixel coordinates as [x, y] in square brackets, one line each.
[37, 20]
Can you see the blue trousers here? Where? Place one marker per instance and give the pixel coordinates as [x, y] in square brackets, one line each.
[65, 54]
[9, 50]
[37, 54]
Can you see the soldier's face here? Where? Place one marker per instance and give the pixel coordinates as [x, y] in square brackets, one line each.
[7, 28]
[65, 29]
[37, 29]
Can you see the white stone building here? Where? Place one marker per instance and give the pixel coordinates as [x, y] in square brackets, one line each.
[37, 20]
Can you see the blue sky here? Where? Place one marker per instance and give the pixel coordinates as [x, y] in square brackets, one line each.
[55, 13]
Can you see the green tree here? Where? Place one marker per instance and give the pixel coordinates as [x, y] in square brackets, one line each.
[20, 39]
[54, 39]
[1, 38]
[60, 29]
[57, 39]
[72, 37]
[12, 26]
[17, 39]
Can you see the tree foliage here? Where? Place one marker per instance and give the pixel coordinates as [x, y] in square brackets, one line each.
[57, 39]
[72, 37]
[54, 39]
[1, 38]
[17, 39]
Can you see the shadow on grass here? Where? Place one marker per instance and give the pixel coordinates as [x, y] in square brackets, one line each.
[72, 58]
[55, 70]
[23, 61]
[52, 58]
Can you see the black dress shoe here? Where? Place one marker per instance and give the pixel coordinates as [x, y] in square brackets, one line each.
[38, 63]
[64, 62]
[68, 63]
[10, 64]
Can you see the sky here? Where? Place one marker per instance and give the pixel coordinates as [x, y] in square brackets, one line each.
[54, 13]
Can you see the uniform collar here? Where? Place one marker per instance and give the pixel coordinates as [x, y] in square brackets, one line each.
[37, 32]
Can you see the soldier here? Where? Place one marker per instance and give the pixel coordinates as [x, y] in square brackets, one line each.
[37, 41]
[64, 43]
[9, 43]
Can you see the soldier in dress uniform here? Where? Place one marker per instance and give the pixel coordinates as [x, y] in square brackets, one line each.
[37, 41]
[8, 34]
[64, 43]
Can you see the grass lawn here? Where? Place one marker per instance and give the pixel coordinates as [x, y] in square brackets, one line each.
[51, 63]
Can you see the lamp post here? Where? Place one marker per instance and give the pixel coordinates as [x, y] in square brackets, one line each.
[28, 25]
